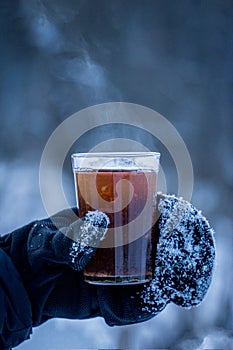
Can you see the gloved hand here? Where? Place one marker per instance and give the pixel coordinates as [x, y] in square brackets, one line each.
[184, 266]
[50, 255]
[185, 256]
[58, 240]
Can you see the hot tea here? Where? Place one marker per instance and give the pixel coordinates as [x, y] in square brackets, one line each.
[128, 197]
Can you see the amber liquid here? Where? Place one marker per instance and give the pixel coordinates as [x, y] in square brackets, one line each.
[126, 254]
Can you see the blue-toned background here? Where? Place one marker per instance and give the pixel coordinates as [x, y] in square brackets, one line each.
[175, 57]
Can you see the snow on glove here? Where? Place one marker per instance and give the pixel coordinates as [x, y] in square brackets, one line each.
[185, 257]
[56, 241]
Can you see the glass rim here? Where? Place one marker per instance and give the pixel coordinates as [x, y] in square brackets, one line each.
[116, 154]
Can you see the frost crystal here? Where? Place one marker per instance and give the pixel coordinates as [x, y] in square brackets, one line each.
[185, 257]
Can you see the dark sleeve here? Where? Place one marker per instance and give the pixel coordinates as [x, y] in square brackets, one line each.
[15, 307]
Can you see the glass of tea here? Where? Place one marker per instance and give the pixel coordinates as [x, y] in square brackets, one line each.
[123, 185]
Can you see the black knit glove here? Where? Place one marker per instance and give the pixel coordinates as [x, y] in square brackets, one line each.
[57, 240]
[185, 256]
[50, 256]
[44, 251]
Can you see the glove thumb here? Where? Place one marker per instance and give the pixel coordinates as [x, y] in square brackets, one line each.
[73, 245]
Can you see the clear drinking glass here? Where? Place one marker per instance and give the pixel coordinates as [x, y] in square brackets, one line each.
[123, 186]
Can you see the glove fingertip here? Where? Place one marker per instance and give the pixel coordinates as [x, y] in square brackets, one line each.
[97, 218]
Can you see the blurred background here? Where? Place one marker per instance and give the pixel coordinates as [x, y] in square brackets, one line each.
[58, 57]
